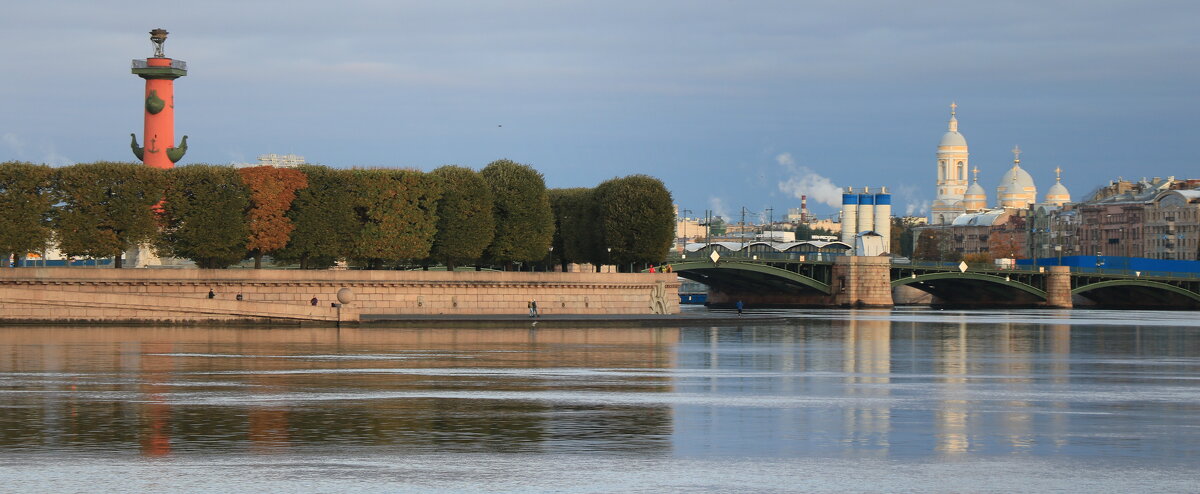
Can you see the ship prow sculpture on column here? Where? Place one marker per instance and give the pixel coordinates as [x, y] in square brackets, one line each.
[158, 135]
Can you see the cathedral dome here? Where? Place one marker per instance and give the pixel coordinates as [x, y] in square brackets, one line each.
[953, 138]
[1016, 180]
[976, 190]
[1057, 190]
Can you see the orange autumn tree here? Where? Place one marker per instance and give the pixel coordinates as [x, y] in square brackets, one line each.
[272, 191]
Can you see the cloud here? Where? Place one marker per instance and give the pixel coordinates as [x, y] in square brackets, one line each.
[13, 143]
[806, 182]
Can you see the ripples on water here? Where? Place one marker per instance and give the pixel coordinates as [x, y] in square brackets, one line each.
[828, 401]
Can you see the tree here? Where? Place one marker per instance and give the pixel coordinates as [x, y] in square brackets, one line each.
[105, 209]
[325, 220]
[929, 245]
[806, 232]
[204, 215]
[25, 206]
[524, 222]
[397, 215]
[577, 236]
[637, 218]
[465, 224]
[902, 234]
[272, 191]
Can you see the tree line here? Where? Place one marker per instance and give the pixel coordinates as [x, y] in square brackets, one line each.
[314, 216]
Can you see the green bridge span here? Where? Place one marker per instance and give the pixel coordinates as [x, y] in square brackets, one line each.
[805, 282]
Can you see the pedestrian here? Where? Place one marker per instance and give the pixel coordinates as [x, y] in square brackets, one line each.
[313, 301]
[239, 297]
[533, 308]
[739, 307]
[652, 268]
[211, 294]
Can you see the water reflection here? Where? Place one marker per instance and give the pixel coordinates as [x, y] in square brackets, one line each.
[197, 389]
[838, 384]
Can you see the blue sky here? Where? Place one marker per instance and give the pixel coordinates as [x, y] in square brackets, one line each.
[731, 104]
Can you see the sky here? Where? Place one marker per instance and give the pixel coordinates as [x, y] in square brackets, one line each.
[731, 104]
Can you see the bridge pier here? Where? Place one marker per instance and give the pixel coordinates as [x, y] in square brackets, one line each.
[865, 281]
[1058, 287]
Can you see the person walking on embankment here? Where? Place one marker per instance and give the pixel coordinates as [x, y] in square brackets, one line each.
[739, 307]
[533, 308]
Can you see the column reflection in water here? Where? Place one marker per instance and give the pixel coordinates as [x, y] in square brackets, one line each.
[953, 410]
[867, 365]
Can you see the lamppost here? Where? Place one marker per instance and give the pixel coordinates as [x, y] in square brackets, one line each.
[550, 265]
[609, 259]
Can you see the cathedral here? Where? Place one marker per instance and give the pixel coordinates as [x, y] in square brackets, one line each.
[956, 198]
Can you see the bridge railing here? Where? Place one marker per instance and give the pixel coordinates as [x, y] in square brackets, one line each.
[1173, 275]
[755, 256]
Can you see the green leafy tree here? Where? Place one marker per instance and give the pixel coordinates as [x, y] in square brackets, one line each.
[272, 191]
[25, 205]
[524, 221]
[465, 224]
[204, 215]
[397, 214]
[577, 235]
[325, 219]
[105, 208]
[902, 234]
[637, 219]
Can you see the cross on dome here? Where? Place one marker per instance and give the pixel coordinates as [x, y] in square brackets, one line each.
[976, 170]
[1016, 155]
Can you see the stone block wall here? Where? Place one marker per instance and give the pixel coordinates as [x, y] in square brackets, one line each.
[181, 294]
[862, 281]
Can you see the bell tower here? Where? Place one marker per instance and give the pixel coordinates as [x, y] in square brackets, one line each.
[158, 135]
[952, 164]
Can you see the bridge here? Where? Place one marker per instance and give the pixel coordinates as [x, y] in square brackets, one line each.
[798, 280]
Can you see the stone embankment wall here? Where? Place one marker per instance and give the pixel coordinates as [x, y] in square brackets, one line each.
[181, 295]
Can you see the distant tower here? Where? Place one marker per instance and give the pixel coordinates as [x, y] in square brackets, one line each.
[849, 215]
[951, 173]
[866, 211]
[883, 217]
[160, 73]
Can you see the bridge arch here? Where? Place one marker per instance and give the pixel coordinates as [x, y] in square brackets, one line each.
[735, 274]
[1139, 292]
[973, 288]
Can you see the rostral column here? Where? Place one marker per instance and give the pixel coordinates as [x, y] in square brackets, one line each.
[160, 73]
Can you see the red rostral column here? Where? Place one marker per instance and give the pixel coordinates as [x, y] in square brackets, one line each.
[160, 73]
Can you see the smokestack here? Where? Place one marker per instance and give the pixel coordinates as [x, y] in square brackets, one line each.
[883, 217]
[804, 209]
[849, 215]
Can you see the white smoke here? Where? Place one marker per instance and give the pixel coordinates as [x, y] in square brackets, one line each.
[718, 207]
[914, 205]
[806, 182]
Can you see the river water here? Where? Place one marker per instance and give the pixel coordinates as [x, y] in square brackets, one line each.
[828, 401]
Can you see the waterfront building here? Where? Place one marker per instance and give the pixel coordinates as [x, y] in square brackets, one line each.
[1173, 225]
